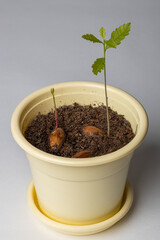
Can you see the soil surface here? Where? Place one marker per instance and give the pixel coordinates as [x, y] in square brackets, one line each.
[72, 119]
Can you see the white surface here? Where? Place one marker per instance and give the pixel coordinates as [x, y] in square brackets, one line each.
[40, 44]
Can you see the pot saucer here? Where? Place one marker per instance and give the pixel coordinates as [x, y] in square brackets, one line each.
[80, 229]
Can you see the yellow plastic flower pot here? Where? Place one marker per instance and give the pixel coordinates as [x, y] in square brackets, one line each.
[87, 190]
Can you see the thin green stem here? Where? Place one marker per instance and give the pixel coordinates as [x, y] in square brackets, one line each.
[105, 86]
[55, 109]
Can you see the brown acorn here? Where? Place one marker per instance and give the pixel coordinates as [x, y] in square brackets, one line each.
[82, 154]
[92, 131]
[56, 139]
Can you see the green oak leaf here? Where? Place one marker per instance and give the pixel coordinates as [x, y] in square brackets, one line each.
[91, 38]
[120, 33]
[102, 33]
[98, 65]
[110, 44]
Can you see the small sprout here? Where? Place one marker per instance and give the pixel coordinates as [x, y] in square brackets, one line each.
[56, 139]
[100, 64]
[55, 109]
[57, 136]
[82, 154]
[92, 131]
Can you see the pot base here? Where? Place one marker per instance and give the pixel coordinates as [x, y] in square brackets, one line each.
[80, 229]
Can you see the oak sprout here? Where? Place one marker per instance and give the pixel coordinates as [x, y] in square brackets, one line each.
[55, 109]
[100, 63]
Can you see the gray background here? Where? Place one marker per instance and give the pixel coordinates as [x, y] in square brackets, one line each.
[40, 44]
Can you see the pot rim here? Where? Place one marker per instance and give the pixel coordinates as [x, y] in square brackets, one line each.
[92, 161]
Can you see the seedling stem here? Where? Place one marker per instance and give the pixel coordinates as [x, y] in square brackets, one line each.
[55, 109]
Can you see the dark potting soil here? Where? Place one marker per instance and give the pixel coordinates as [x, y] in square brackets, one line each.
[72, 119]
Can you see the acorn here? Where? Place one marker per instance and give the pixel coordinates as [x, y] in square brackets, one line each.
[92, 131]
[82, 154]
[56, 139]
